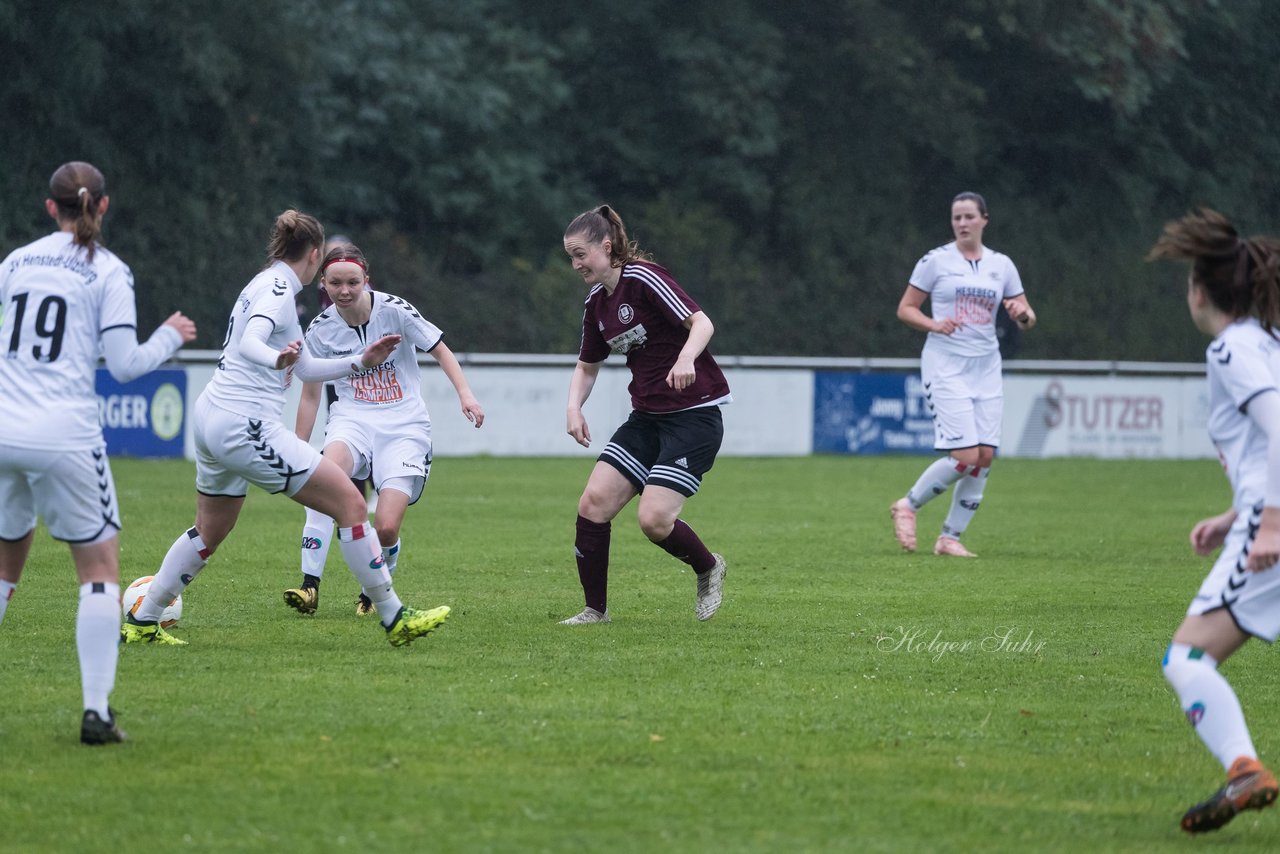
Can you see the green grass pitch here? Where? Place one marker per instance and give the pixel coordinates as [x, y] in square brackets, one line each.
[847, 697]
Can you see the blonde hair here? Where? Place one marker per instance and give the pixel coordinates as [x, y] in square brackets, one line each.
[294, 235]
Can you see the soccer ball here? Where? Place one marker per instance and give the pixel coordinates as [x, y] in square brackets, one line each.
[134, 594]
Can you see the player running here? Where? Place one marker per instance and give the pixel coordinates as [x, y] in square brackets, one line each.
[966, 283]
[379, 425]
[1233, 294]
[65, 299]
[240, 440]
[671, 439]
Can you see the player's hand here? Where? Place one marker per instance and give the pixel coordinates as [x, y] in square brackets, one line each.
[186, 326]
[1265, 551]
[471, 408]
[576, 426]
[379, 351]
[1020, 312]
[682, 374]
[288, 355]
[1209, 534]
[946, 326]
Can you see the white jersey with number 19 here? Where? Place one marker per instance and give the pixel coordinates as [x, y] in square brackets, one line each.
[55, 305]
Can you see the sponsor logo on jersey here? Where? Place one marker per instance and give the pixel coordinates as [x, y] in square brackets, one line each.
[629, 340]
[625, 313]
[683, 462]
[377, 385]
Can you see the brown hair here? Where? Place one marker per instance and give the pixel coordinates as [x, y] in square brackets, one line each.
[1241, 276]
[599, 223]
[970, 196]
[345, 252]
[294, 235]
[77, 188]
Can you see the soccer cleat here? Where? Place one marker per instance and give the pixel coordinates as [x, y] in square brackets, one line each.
[364, 606]
[904, 523]
[1250, 786]
[588, 616]
[304, 600]
[94, 730]
[711, 589]
[131, 631]
[950, 546]
[411, 623]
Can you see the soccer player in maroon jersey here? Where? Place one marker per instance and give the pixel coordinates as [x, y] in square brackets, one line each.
[671, 439]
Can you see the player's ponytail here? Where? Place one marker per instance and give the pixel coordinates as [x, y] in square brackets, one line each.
[1240, 275]
[293, 236]
[77, 188]
[603, 222]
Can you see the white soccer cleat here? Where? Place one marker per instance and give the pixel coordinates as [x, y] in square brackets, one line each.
[711, 589]
[589, 615]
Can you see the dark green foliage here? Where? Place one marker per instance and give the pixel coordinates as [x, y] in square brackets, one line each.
[788, 162]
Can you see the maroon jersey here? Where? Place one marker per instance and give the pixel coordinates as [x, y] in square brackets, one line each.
[644, 319]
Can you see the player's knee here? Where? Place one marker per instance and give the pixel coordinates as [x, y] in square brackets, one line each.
[593, 506]
[387, 533]
[965, 456]
[1181, 663]
[656, 525]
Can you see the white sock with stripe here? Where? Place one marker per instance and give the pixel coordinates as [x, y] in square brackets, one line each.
[964, 501]
[363, 555]
[181, 564]
[317, 536]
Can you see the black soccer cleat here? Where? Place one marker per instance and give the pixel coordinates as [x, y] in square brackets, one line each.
[94, 730]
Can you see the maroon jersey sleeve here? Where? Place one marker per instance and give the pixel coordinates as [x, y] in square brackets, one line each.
[593, 347]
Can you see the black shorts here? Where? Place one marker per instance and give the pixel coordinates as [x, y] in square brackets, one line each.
[673, 450]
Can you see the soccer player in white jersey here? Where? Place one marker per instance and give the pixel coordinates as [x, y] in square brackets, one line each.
[64, 299]
[240, 440]
[965, 283]
[1233, 294]
[379, 425]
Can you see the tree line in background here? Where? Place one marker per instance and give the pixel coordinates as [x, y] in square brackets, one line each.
[788, 162]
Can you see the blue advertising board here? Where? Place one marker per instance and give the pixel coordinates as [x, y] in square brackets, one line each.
[862, 413]
[145, 417]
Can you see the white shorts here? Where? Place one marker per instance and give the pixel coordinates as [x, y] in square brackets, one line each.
[1251, 598]
[965, 395]
[382, 454]
[73, 492]
[233, 451]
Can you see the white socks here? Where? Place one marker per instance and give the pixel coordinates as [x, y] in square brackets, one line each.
[391, 554]
[98, 643]
[317, 535]
[935, 480]
[6, 593]
[965, 501]
[361, 551]
[1209, 703]
[186, 557]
